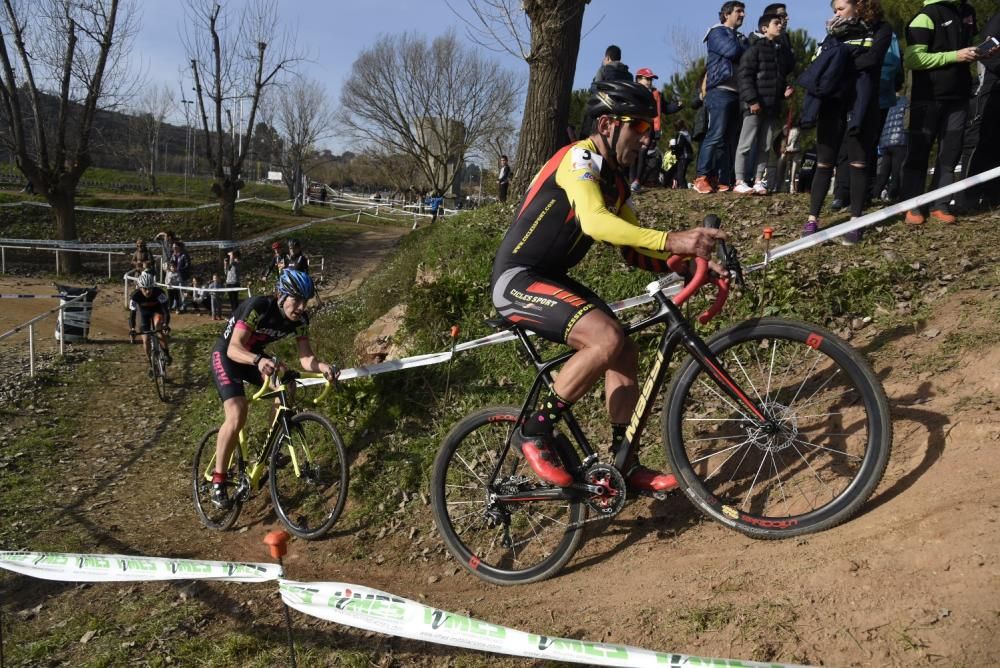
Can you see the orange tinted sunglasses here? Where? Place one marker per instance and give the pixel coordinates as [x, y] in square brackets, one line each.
[640, 125]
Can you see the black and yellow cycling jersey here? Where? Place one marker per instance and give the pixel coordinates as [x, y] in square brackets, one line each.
[575, 199]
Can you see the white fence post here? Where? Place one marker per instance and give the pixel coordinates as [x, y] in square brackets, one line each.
[31, 350]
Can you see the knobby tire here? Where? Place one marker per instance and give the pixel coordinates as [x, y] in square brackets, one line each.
[201, 478]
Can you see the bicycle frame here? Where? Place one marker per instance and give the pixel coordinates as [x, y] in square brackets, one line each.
[283, 412]
[678, 332]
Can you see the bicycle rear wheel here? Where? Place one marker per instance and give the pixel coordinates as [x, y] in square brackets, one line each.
[201, 479]
[309, 476]
[821, 460]
[502, 543]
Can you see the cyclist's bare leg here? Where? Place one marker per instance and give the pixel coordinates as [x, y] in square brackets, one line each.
[161, 335]
[235, 410]
[600, 343]
[621, 389]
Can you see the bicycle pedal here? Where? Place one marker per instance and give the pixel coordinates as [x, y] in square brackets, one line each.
[659, 496]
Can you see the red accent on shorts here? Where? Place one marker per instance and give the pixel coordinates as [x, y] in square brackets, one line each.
[557, 292]
[520, 318]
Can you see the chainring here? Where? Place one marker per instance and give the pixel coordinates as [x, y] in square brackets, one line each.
[612, 500]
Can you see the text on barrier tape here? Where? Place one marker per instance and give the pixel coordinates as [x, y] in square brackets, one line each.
[126, 568]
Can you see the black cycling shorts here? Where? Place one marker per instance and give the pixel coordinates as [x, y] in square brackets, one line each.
[548, 306]
[149, 320]
[229, 375]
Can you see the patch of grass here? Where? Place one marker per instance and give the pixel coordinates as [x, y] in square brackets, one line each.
[711, 617]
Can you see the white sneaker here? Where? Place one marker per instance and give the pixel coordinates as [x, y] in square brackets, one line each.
[760, 188]
[742, 189]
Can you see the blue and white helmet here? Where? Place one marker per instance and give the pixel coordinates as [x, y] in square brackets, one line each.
[293, 283]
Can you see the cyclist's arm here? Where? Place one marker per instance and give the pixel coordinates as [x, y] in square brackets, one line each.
[308, 359]
[578, 175]
[132, 307]
[239, 350]
[164, 309]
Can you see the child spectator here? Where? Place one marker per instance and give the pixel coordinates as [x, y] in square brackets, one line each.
[173, 281]
[232, 266]
[763, 69]
[199, 297]
[213, 297]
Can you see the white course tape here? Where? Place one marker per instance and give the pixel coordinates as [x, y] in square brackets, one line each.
[378, 611]
[125, 568]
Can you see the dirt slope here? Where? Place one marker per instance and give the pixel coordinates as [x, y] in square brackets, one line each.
[914, 580]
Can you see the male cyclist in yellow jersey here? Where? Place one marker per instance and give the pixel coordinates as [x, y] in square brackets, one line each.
[580, 196]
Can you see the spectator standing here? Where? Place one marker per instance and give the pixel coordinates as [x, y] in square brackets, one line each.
[215, 303]
[173, 293]
[938, 53]
[231, 264]
[503, 180]
[717, 152]
[182, 265]
[857, 40]
[199, 298]
[166, 239]
[764, 67]
[982, 134]
[140, 257]
[646, 77]
[434, 202]
[612, 69]
[684, 150]
[296, 260]
[277, 262]
[892, 151]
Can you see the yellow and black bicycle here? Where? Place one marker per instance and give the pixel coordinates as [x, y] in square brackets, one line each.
[302, 458]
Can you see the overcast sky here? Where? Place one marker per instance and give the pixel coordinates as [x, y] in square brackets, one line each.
[333, 32]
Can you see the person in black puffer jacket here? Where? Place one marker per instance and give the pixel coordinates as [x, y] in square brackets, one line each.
[851, 114]
[761, 76]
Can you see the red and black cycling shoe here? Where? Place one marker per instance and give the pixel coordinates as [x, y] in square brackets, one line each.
[643, 479]
[542, 458]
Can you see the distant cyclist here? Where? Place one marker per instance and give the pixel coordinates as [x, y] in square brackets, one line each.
[150, 302]
[580, 196]
[239, 356]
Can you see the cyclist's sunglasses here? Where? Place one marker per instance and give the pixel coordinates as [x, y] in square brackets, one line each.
[640, 125]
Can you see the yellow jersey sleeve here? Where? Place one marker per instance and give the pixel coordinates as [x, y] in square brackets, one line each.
[579, 175]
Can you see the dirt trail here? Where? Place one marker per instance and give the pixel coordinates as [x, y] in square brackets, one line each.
[913, 580]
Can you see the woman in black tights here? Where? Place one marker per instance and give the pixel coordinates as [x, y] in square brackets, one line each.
[852, 116]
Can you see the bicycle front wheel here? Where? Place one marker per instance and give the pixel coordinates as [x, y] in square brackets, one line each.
[201, 478]
[821, 456]
[309, 476]
[503, 543]
[158, 368]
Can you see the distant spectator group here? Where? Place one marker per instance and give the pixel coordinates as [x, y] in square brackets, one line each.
[876, 126]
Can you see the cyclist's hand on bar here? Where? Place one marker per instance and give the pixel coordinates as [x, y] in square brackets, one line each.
[699, 242]
[329, 371]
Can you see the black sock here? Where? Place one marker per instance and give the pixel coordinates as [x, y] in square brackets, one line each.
[541, 422]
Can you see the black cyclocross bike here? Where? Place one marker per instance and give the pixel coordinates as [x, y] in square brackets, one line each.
[301, 458]
[772, 427]
[157, 360]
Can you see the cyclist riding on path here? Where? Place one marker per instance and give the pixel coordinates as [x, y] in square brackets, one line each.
[150, 302]
[239, 356]
[580, 196]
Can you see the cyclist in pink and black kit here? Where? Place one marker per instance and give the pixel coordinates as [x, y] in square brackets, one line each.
[239, 356]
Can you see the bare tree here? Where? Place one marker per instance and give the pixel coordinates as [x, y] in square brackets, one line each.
[233, 59]
[686, 47]
[553, 33]
[442, 99]
[304, 117]
[62, 61]
[144, 129]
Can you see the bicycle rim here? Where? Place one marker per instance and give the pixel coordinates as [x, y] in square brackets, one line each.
[515, 543]
[309, 476]
[201, 479]
[820, 463]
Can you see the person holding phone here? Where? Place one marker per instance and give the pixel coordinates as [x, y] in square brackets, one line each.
[982, 134]
[939, 52]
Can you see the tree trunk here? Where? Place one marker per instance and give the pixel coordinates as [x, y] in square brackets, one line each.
[63, 208]
[226, 190]
[555, 42]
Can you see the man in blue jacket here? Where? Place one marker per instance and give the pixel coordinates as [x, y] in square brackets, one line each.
[722, 101]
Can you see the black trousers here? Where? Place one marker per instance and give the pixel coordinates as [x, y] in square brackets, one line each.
[831, 132]
[890, 171]
[941, 121]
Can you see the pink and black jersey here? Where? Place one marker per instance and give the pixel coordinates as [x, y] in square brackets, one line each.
[266, 322]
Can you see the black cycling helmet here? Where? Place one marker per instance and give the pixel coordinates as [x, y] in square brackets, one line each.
[621, 98]
[294, 283]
